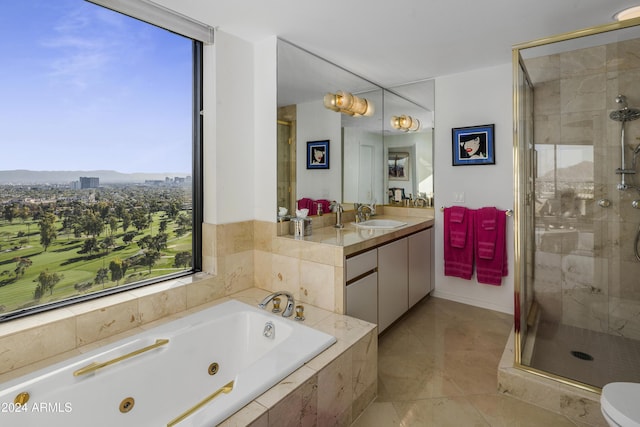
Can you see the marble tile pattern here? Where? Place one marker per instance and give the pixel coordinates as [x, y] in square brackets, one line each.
[591, 286]
[437, 367]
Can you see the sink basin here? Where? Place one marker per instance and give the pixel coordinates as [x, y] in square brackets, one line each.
[380, 223]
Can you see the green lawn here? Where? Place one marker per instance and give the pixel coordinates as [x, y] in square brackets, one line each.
[63, 257]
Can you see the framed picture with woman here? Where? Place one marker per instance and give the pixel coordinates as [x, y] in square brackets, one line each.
[318, 154]
[473, 145]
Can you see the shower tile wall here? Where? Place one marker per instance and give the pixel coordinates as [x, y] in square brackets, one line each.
[586, 274]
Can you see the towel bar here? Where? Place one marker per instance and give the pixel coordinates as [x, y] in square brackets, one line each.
[508, 212]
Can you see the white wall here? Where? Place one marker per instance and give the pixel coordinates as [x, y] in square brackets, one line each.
[266, 130]
[315, 123]
[477, 97]
[240, 89]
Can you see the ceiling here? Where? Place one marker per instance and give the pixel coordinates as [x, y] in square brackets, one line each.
[392, 43]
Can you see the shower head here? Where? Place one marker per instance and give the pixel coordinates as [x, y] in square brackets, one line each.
[625, 115]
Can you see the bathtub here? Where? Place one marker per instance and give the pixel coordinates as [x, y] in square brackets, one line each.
[194, 371]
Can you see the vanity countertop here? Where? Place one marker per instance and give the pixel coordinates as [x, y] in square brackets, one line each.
[353, 239]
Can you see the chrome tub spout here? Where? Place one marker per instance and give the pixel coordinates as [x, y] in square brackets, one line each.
[288, 311]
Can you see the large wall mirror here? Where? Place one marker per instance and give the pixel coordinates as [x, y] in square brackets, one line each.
[359, 148]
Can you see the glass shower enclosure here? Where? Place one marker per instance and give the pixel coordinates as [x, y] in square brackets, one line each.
[577, 144]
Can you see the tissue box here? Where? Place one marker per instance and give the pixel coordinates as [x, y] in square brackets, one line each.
[306, 225]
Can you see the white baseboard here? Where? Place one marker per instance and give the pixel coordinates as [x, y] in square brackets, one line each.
[472, 301]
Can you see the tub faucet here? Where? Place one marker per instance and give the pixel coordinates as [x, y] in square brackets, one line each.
[288, 311]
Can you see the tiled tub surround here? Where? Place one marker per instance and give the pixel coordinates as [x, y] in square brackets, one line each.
[331, 389]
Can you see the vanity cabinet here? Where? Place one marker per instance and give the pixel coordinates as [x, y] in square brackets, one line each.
[420, 265]
[384, 282]
[393, 282]
[362, 286]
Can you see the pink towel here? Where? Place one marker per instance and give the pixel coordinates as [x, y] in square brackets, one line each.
[458, 238]
[491, 246]
[305, 203]
[457, 227]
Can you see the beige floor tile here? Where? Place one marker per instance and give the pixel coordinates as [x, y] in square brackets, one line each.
[437, 366]
[441, 412]
[378, 414]
[505, 411]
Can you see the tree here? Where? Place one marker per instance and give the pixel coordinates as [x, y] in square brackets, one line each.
[101, 276]
[46, 282]
[128, 237]
[183, 223]
[107, 243]
[156, 243]
[25, 213]
[47, 229]
[9, 212]
[92, 224]
[140, 219]
[118, 269]
[90, 245]
[150, 258]
[182, 259]
[113, 224]
[21, 265]
[126, 221]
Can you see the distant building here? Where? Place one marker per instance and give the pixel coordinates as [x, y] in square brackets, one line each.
[89, 182]
[75, 185]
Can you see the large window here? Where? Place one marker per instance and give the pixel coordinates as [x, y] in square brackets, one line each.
[99, 183]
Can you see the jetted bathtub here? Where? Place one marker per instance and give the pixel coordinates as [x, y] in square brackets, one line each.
[194, 371]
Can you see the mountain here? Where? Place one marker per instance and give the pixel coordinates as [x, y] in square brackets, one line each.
[580, 172]
[23, 176]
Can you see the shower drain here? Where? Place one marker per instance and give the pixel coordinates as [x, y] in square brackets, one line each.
[581, 355]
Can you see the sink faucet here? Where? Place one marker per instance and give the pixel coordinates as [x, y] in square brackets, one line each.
[363, 211]
[339, 210]
[288, 311]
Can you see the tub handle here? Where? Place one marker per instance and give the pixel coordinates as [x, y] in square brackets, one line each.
[226, 389]
[94, 366]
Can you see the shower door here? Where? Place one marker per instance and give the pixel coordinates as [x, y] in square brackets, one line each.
[578, 282]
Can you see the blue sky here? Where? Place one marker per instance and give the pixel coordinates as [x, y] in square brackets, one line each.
[84, 88]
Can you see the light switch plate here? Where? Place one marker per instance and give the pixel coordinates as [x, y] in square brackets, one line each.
[458, 197]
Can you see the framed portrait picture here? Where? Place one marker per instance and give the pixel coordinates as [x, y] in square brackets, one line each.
[473, 145]
[398, 166]
[318, 154]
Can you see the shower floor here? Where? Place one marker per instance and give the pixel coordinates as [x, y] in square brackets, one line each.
[615, 358]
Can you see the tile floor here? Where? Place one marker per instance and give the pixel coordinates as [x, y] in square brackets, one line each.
[437, 366]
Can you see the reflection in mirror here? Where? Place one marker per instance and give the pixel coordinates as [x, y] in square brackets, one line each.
[408, 153]
[303, 81]
[359, 146]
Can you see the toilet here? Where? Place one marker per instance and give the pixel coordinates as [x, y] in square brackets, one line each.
[620, 404]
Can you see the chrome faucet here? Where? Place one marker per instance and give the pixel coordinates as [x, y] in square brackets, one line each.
[288, 311]
[361, 215]
[339, 210]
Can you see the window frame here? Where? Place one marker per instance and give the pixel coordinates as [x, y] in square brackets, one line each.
[197, 194]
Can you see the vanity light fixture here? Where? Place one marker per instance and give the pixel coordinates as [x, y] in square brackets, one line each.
[629, 13]
[405, 123]
[347, 103]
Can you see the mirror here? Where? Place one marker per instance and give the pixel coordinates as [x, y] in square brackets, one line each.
[408, 156]
[359, 146]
